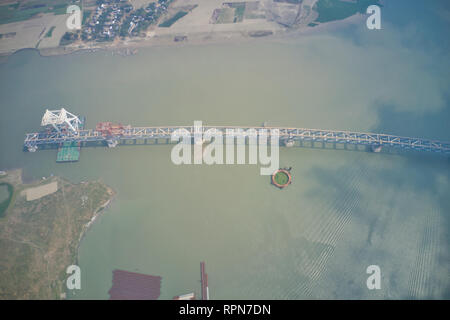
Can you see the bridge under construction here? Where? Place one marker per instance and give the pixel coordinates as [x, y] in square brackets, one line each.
[62, 127]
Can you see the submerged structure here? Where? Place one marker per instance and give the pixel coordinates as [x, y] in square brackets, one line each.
[134, 286]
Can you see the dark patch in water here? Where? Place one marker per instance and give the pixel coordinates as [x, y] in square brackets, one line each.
[134, 286]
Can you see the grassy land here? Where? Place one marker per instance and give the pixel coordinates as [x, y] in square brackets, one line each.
[68, 38]
[86, 16]
[39, 238]
[226, 15]
[281, 178]
[331, 10]
[239, 12]
[24, 10]
[49, 32]
[289, 1]
[5, 203]
[233, 13]
[173, 19]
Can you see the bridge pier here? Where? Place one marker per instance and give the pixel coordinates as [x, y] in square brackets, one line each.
[376, 148]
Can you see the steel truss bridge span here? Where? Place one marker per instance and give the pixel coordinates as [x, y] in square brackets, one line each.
[287, 136]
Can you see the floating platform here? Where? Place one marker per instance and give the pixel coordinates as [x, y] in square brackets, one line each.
[68, 152]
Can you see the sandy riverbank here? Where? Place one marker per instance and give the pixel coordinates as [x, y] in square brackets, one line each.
[201, 38]
[194, 29]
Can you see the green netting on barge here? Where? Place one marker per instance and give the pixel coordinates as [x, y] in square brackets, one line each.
[68, 152]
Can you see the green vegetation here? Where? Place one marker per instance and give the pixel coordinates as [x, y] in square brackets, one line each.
[281, 178]
[224, 15]
[175, 18]
[231, 13]
[86, 16]
[331, 10]
[136, 22]
[290, 1]
[5, 203]
[68, 38]
[49, 32]
[20, 11]
[60, 8]
[239, 9]
[7, 35]
[39, 238]
[7, 12]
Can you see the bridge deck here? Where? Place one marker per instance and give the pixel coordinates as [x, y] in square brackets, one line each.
[296, 134]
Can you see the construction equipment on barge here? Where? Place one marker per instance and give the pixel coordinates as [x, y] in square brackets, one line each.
[111, 132]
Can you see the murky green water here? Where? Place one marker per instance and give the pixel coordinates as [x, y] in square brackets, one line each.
[4, 193]
[345, 210]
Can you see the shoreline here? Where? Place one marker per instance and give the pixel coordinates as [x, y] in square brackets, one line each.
[97, 213]
[205, 38]
[61, 250]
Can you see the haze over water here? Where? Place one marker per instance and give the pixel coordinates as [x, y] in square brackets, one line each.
[345, 210]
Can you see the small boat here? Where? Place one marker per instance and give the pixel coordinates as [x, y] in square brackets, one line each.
[112, 143]
[289, 143]
[376, 148]
[188, 296]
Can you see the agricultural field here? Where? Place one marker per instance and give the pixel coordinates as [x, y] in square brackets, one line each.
[235, 12]
[141, 3]
[167, 23]
[24, 10]
[32, 23]
[6, 194]
[49, 32]
[331, 10]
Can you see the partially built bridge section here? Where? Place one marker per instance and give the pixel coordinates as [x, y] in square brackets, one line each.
[63, 127]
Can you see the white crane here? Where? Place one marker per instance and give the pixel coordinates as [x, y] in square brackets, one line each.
[61, 120]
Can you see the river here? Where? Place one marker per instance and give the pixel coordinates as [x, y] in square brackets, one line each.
[345, 210]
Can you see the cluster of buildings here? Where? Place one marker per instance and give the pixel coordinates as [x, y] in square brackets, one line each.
[105, 21]
[113, 18]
